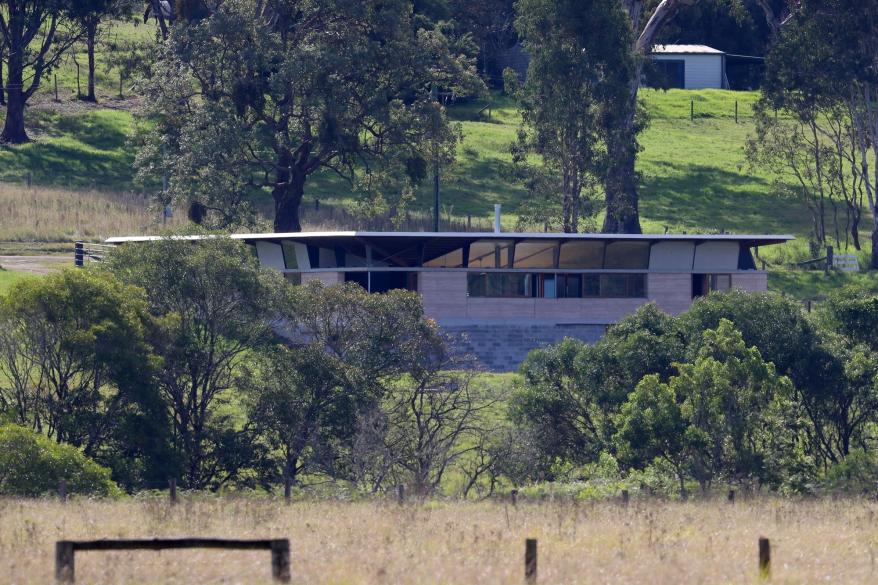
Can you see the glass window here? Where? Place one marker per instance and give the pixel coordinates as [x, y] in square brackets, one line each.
[326, 258]
[535, 254]
[720, 282]
[591, 285]
[569, 286]
[498, 284]
[550, 290]
[581, 255]
[627, 255]
[290, 260]
[453, 259]
[489, 254]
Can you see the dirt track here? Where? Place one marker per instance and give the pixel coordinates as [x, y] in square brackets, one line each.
[35, 264]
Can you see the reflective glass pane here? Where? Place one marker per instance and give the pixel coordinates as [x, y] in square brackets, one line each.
[581, 255]
[535, 254]
[627, 255]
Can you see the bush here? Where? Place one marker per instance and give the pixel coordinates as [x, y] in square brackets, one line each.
[32, 465]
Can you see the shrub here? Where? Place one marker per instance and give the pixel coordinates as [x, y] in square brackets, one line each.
[32, 465]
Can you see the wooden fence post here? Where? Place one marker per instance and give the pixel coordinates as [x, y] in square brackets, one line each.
[530, 560]
[692, 110]
[731, 496]
[764, 558]
[736, 111]
[172, 490]
[65, 571]
[400, 494]
[280, 560]
[625, 497]
[513, 495]
[287, 488]
[62, 491]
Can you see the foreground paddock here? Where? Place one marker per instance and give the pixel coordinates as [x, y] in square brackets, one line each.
[450, 543]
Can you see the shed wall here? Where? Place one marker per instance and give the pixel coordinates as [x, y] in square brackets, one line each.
[702, 71]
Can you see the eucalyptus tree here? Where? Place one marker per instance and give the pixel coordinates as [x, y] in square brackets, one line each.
[92, 15]
[214, 304]
[34, 35]
[578, 75]
[262, 94]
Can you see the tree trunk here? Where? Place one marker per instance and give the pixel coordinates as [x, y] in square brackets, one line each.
[13, 128]
[287, 200]
[2, 85]
[289, 188]
[622, 214]
[874, 265]
[90, 34]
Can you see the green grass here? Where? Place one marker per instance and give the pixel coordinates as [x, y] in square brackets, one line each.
[695, 177]
[814, 284]
[76, 150]
[8, 278]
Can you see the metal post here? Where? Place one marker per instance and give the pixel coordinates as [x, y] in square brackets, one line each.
[78, 254]
[434, 95]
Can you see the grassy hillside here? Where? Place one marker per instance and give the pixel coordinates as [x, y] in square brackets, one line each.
[694, 173]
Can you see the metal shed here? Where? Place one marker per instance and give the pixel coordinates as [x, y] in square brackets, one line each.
[690, 66]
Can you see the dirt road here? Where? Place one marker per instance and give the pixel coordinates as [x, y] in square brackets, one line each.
[36, 264]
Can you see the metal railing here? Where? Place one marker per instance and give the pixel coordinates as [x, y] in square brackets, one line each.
[85, 252]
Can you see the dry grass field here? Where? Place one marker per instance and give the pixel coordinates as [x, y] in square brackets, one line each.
[653, 543]
[46, 214]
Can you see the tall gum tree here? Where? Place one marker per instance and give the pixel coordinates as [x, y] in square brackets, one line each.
[35, 34]
[262, 94]
[622, 215]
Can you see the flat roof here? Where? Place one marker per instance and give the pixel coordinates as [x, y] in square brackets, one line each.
[751, 239]
[685, 50]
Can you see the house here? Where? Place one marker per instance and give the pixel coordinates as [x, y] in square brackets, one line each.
[688, 67]
[501, 294]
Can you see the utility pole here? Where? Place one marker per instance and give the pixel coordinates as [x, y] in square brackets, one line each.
[434, 95]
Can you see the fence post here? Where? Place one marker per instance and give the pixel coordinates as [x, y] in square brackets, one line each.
[172, 490]
[514, 497]
[400, 494]
[280, 560]
[692, 110]
[625, 497]
[65, 570]
[736, 111]
[62, 491]
[731, 496]
[287, 488]
[56, 89]
[764, 558]
[530, 560]
[78, 254]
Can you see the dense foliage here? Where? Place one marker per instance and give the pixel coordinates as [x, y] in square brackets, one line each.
[33, 465]
[741, 389]
[188, 359]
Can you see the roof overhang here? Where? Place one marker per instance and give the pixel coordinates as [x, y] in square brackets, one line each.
[414, 237]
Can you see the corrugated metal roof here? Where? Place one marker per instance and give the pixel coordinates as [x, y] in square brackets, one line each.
[685, 50]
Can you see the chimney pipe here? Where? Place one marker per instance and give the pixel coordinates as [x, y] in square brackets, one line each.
[496, 218]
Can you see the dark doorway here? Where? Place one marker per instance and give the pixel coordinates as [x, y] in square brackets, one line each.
[667, 74]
